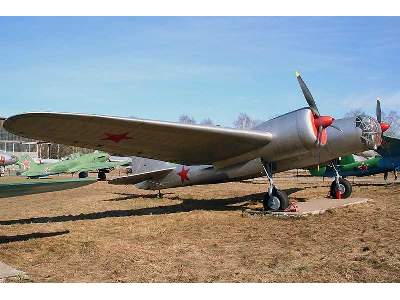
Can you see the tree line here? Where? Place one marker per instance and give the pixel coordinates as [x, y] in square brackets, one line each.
[244, 121]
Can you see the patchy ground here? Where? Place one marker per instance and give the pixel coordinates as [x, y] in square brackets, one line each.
[105, 233]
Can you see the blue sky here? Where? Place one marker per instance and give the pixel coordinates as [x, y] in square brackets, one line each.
[162, 67]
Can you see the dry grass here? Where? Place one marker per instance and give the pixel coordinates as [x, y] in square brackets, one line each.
[105, 233]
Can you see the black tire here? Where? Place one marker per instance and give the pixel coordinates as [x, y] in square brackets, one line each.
[279, 202]
[83, 174]
[345, 185]
[101, 175]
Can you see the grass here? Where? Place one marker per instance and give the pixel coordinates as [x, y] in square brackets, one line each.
[105, 233]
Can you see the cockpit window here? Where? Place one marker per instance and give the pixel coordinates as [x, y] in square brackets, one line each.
[371, 131]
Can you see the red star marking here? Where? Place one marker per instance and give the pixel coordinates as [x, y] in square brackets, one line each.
[26, 164]
[363, 167]
[116, 138]
[2, 159]
[183, 174]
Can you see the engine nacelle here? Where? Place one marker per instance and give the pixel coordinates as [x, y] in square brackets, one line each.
[293, 134]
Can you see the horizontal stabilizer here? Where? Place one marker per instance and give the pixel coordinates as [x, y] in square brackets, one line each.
[136, 178]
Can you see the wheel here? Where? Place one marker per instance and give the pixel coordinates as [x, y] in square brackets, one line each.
[83, 174]
[101, 175]
[277, 201]
[344, 189]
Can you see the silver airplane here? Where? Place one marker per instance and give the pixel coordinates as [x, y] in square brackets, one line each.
[206, 155]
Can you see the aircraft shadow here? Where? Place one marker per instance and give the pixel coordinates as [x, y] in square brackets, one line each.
[127, 196]
[187, 205]
[5, 239]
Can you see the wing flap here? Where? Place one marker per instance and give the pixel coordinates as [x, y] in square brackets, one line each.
[173, 142]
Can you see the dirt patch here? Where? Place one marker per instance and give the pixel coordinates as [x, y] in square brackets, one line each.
[105, 233]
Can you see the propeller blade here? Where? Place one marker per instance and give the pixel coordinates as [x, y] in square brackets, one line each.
[337, 128]
[307, 94]
[378, 111]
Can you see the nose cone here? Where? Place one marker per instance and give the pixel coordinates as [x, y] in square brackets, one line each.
[384, 126]
[324, 121]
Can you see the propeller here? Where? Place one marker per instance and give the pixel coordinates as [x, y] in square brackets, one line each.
[321, 123]
[384, 126]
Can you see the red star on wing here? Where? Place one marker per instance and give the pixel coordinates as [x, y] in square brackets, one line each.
[183, 174]
[116, 138]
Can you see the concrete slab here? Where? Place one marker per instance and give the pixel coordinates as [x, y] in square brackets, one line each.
[6, 271]
[312, 207]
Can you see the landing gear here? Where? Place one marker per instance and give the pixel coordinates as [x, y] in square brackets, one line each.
[278, 200]
[340, 187]
[101, 175]
[159, 195]
[83, 174]
[341, 191]
[274, 199]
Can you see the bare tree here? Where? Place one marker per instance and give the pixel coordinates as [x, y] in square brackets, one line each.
[187, 119]
[207, 122]
[355, 112]
[243, 121]
[393, 119]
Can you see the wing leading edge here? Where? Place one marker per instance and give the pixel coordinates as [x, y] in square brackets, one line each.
[173, 142]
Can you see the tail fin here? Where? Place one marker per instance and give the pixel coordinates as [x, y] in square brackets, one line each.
[25, 162]
[143, 165]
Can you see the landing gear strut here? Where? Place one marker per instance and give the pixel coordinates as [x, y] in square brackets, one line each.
[340, 187]
[274, 199]
[159, 195]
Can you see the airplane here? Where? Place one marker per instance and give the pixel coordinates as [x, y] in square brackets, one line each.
[384, 160]
[207, 154]
[387, 160]
[75, 163]
[6, 159]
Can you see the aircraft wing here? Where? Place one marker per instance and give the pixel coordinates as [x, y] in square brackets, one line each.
[174, 142]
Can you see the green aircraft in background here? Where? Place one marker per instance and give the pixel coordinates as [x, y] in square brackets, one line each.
[76, 163]
[387, 160]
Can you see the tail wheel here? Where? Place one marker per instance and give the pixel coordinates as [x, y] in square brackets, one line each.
[101, 175]
[344, 189]
[278, 200]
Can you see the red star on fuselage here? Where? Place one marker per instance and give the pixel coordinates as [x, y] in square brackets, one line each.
[363, 167]
[116, 138]
[183, 174]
